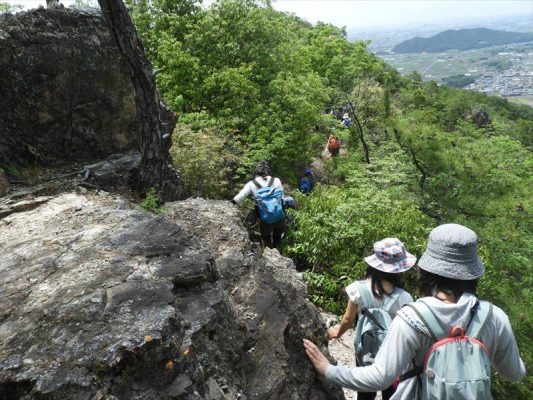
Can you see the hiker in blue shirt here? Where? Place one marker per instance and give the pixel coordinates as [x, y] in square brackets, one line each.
[268, 194]
[306, 184]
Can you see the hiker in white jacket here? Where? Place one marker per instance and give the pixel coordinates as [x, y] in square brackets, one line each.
[448, 274]
[271, 234]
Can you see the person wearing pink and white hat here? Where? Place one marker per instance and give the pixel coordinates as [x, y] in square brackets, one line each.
[449, 271]
[383, 282]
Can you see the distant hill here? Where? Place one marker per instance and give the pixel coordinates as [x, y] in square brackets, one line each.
[461, 39]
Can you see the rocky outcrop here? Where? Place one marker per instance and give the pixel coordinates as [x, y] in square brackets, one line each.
[101, 301]
[480, 117]
[65, 93]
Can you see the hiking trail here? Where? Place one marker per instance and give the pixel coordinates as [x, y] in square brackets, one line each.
[342, 350]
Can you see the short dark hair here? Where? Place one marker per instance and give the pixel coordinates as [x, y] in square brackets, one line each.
[262, 169]
[376, 276]
[430, 284]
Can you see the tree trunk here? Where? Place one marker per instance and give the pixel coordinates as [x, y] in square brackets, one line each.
[156, 121]
[360, 130]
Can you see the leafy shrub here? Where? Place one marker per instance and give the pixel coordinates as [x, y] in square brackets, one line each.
[335, 228]
[206, 159]
[251, 83]
[151, 202]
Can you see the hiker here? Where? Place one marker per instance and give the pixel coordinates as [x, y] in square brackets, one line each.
[268, 195]
[333, 145]
[375, 302]
[479, 333]
[288, 202]
[346, 120]
[306, 184]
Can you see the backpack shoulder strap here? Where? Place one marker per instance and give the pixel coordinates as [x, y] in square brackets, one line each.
[392, 299]
[366, 297]
[428, 318]
[257, 184]
[368, 302]
[271, 182]
[479, 319]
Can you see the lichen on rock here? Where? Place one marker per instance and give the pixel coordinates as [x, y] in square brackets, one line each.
[102, 301]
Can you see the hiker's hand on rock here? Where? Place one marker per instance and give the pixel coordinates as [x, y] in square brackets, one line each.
[333, 332]
[319, 361]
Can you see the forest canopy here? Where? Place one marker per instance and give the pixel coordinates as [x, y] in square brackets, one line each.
[251, 83]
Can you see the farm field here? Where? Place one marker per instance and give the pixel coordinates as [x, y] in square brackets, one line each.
[506, 70]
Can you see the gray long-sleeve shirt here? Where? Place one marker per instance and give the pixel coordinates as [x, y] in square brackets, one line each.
[403, 343]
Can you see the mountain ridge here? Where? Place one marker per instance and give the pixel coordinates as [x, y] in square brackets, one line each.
[461, 39]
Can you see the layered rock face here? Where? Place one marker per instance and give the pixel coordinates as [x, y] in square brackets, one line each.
[101, 301]
[65, 95]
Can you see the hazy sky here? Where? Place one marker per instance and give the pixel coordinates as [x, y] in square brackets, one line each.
[364, 13]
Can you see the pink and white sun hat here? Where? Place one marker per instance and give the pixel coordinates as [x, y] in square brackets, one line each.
[390, 256]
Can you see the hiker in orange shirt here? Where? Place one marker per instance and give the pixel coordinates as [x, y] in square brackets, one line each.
[334, 145]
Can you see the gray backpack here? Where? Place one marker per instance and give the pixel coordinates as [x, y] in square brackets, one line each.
[457, 365]
[372, 325]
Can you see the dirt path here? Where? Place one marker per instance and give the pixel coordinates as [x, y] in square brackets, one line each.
[318, 162]
[342, 350]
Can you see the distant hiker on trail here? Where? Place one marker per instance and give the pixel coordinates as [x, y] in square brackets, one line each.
[288, 202]
[334, 145]
[268, 195]
[376, 301]
[441, 346]
[346, 120]
[306, 183]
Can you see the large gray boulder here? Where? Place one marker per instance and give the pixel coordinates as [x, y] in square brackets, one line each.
[66, 92]
[101, 301]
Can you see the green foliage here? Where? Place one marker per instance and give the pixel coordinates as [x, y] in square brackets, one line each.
[251, 83]
[266, 77]
[499, 65]
[12, 171]
[203, 157]
[459, 81]
[9, 8]
[152, 202]
[337, 226]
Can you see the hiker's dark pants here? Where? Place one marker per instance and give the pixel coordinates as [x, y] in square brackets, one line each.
[334, 152]
[271, 233]
[387, 394]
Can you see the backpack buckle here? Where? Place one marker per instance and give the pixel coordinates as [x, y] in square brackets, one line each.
[457, 331]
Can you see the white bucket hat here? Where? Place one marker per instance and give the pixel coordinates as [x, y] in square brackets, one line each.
[390, 256]
[452, 253]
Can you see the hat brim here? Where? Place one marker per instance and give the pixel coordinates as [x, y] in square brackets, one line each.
[401, 266]
[465, 271]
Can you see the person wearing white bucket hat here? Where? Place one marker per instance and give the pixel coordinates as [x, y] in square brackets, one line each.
[449, 271]
[381, 289]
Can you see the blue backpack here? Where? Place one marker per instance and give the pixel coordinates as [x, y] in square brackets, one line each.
[457, 366]
[306, 185]
[372, 325]
[269, 201]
